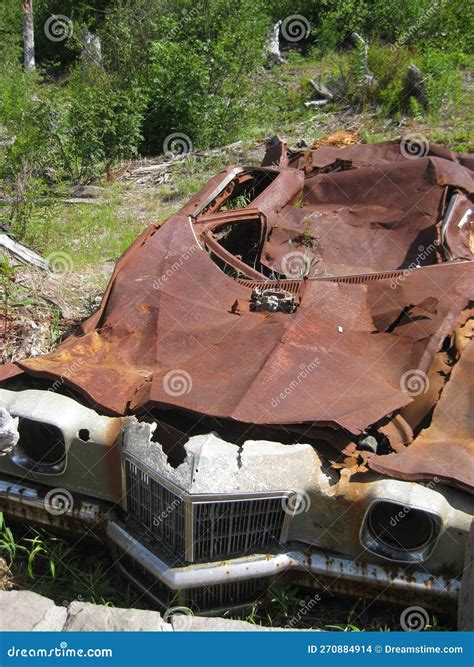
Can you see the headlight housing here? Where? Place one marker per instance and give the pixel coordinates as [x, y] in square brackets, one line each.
[398, 532]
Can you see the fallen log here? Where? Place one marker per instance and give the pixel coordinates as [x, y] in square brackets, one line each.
[23, 253]
[162, 166]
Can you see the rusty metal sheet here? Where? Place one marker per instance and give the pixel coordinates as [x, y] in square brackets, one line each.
[365, 219]
[445, 450]
[374, 155]
[177, 327]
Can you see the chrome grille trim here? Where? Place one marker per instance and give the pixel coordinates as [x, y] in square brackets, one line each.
[235, 527]
[158, 509]
[197, 528]
[233, 594]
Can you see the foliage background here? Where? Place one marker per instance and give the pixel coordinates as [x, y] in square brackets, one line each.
[198, 68]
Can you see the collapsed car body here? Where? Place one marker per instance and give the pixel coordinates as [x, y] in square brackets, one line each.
[277, 385]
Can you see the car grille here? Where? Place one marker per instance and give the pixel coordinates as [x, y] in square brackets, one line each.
[236, 527]
[156, 508]
[197, 530]
[222, 596]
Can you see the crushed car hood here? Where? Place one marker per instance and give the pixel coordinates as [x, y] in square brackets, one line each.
[373, 253]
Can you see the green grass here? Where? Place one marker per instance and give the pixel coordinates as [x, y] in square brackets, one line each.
[303, 608]
[63, 569]
[88, 234]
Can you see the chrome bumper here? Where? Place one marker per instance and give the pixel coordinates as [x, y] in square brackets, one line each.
[339, 574]
[56, 507]
[270, 565]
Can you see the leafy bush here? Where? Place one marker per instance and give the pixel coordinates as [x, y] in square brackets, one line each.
[201, 74]
[443, 79]
[442, 23]
[21, 135]
[95, 123]
[196, 67]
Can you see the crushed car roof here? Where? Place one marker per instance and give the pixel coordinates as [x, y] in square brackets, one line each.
[318, 291]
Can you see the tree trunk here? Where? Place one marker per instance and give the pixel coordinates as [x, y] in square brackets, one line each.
[273, 45]
[91, 51]
[28, 35]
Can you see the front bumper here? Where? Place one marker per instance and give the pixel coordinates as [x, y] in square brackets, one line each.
[228, 583]
[314, 568]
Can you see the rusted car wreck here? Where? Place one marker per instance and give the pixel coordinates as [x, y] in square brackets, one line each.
[276, 386]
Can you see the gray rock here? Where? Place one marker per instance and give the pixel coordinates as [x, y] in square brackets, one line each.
[86, 191]
[25, 611]
[9, 435]
[86, 617]
[414, 86]
[183, 623]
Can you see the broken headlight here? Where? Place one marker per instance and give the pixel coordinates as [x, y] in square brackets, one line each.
[41, 446]
[399, 532]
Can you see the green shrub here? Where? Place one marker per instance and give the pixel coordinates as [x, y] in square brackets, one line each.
[104, 121]
[22, 139]
[201, 74]
[443, 80]
[92, 124]
[442, 23]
